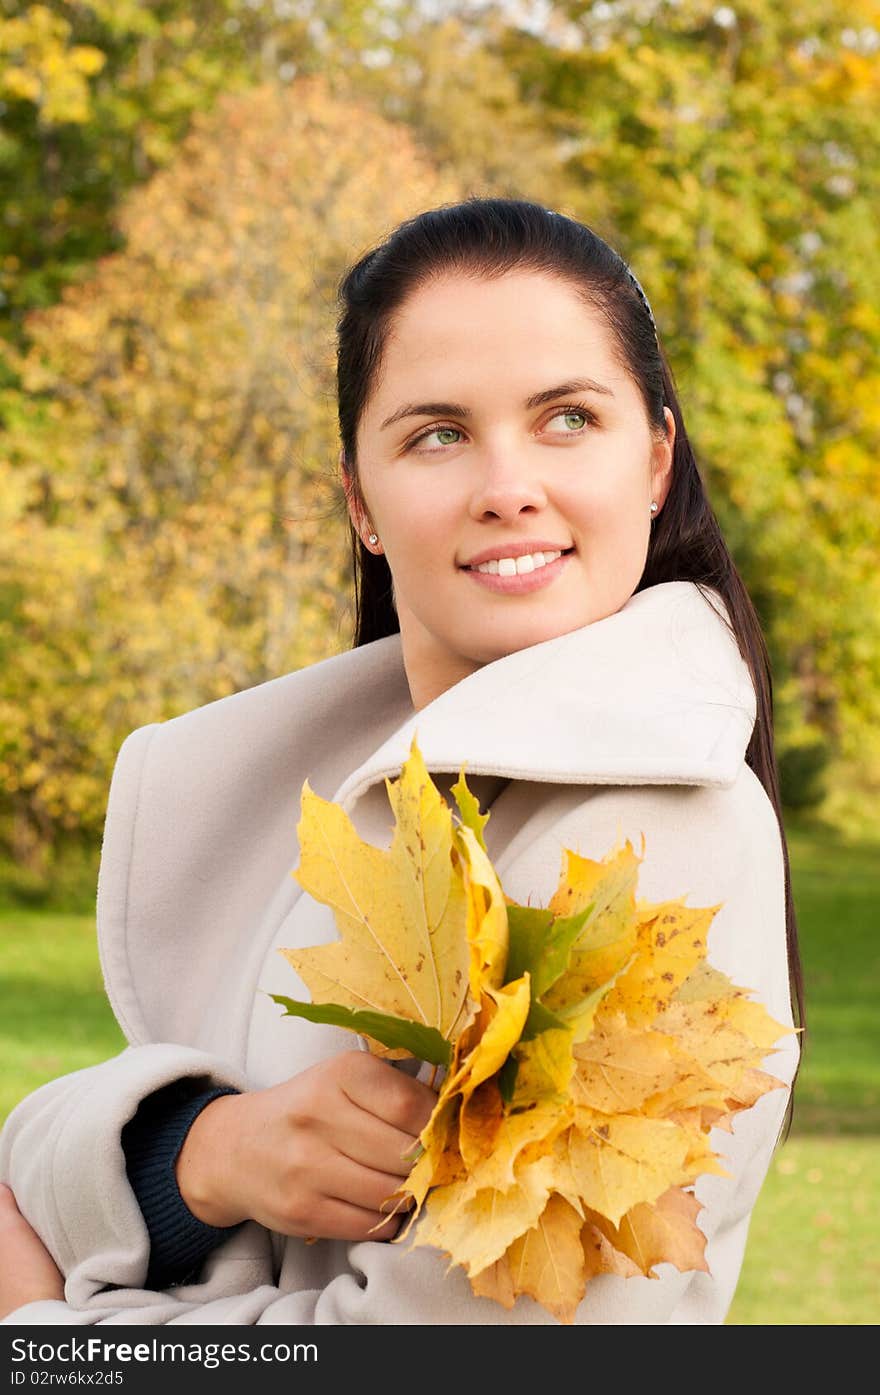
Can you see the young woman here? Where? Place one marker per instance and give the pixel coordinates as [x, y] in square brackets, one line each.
[543, 594]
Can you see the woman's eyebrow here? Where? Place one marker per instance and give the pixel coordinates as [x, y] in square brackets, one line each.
[455, 409]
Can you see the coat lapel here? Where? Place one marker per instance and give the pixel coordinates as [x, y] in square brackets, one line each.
[656, 693]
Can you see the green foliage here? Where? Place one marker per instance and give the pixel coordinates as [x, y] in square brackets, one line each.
[730, 154]
[97, 97]
[836, 885]
[425, 1043]
[64, 878]
[541, 944]
[179, 548]
[802, 772]
[173, 529]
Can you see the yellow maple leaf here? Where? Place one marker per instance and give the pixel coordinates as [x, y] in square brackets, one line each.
[486, 925]
[620, 1067]
[493, 1137]
[401, 913]
[480, 1052]
[504, 1011]
[545, 1065]
[665, 1233]
[547, 1262]
[608, 939]
[671, 941]
[475, 1224]
[600, 1255]
[623, 1160]
[731, 1002]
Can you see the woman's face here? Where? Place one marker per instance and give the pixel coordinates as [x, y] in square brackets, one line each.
[472, 447]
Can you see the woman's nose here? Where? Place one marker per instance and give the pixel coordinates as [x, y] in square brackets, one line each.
[505, 486]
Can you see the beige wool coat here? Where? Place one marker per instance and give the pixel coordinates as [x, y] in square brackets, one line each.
[637, 723]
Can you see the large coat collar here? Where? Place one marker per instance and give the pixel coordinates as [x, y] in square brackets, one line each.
[200, 836]
[657, 693]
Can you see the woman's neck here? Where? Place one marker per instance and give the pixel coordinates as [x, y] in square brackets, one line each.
[430, 669]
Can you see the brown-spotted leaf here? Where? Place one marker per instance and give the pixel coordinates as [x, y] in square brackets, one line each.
[671, 942]
[619, 1067]
[608, 937]
[709, 1041]
[623, 1160]
[709, 986]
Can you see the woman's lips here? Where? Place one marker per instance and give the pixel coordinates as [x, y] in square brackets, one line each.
[522, 582]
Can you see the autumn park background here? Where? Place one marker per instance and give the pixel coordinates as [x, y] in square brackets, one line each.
[183, 184]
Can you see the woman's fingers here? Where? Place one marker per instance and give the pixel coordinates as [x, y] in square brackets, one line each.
[376, 1145]
[394, 1097]
[363, 1187]
[341, 1220]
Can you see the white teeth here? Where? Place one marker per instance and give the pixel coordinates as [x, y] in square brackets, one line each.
[512, 566]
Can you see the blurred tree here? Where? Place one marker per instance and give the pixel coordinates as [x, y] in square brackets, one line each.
[173, 525]
[160, 422]
[448, 81]
[95, 96]
[730, 153]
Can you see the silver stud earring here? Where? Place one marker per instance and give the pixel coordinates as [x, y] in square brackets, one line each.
[654, 506]
[374, 537]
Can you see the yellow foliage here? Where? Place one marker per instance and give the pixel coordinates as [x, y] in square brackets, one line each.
[401, 914]
[575, 1116]
[174, 530]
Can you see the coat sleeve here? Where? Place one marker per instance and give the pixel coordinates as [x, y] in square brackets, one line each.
[61, 1153]
[703, 843]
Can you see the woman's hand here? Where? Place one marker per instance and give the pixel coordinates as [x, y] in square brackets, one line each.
[27, 1270]
[316, 1156]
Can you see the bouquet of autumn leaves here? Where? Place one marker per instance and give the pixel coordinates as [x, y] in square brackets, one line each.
[589, 1048]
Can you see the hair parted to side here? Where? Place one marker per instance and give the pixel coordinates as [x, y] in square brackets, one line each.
[488, 237]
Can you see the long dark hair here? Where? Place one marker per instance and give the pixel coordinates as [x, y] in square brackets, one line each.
[491, 236]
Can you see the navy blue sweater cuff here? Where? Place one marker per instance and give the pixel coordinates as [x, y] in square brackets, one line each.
[151, 1141]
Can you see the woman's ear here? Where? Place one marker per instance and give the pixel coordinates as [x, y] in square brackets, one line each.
[354, 503]
[661, 462]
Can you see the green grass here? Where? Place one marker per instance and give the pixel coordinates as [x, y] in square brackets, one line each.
[814, 1247]
[813, 1255]
[836, 895]
[54, 1016]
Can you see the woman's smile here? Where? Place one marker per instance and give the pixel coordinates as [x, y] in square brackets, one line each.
[518, 575]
